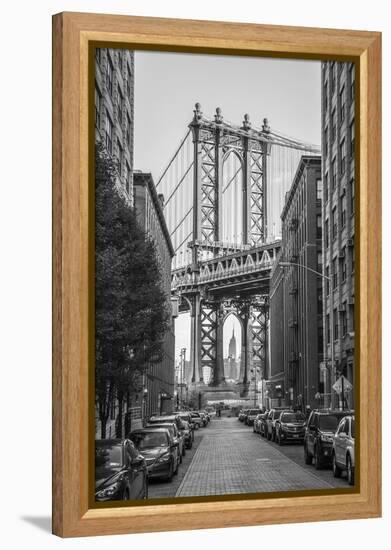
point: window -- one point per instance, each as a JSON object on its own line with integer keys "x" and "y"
{"x": 344, "y": 321}
{"x": 98, "y": 101}
{"x": 352, "y": 74}
{"x": 328, "y": 328}
{"x": 326, "y": 142}
{"x": 109, "y": 74}
{"x": 319, "y": 190}
{"x": 334, "y": 174}
{"x": 109, "y": 133}
{"x": 333, "y": 125}
{"x": 120, "y": 104}
{"x": 120, "y": 156}
{"x": 351, "y": 137}
{"x": 318, "y": 226}
{"x": 342, "y": 155}
{"x": 334, "y": 224}
{"x": 327, "y": 281}
{"x": 326, "y": 234}
{"x": 343, "y": 209}
{"x": 343, "y": 264}
{"x": 335, "y": 274}
{"x": 351, "y": 190}
{"x": 319, "y": 260}
{"x": 342, "y": 102}
{"x": 335, "y": 330}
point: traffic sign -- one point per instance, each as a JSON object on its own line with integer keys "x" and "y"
{"x": 342, "y": 383}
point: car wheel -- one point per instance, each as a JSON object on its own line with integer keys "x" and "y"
{"x": 184, "y": 451}
{"x": 254, "y": 430}
{"x": 307, "y": 457}
{"x": 190, "y": 445}
{"x": 350, "y": 471}
{"x": 317, "y": 461}
{"x": 146, "y": 488}
{"x": 126, "y": 495}
{"x": 280, "y": 441}
{"x": 336, "y": 469}
{"x": 273, "y": 435}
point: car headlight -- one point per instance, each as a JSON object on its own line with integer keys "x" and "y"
{"x": 109, "y": 491}
{"x": 327, "y": 438}
{"x": 164, "y": 458}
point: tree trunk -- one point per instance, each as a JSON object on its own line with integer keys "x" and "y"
{"x": 119, "y": 422}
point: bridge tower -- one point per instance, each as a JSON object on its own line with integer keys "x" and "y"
{"x": 229, "y": 215}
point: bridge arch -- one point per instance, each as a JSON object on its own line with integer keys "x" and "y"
{"x": 232, "y": 197}
{"x": 233, "y": 341}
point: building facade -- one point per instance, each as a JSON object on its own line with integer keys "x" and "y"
{"x": 296, "y": 335}
{"x": 338, "y": 174}
{"x": 114, "y": 111}
{"x": 159, "y": 380}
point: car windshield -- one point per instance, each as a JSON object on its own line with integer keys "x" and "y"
{"x": 293, "y": 417}
{"x": 196, "y": 415}
{"x": 108, "y": 458}
{"x": 277, "y": 414}
{"x": 165, "y": 426}
{"x": 329, "y": 422}
{"x": 253, "y": 412}
{"x": 149, "y": 440}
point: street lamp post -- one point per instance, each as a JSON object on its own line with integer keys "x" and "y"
{"x": 183, "y": 360}
{"x": 319, "y": 274}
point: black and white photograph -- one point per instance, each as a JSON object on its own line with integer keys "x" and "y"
{"x": 224, "y": 275}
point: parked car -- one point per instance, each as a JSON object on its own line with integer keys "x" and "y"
{"x": 245, "y": 413}
{"x": 120, "y": 471}
{"x": 207, "y": 415}
{"x": 197, "y": 420}
{"x": 257, "y": 423}
{"x": 319, "y": 436}
{"x": 185, "y": 416}
{"x": 343, "y": 449}
{"x": 159, "y": 450}
{"x": 187, "y": 434}
{"x": 204, "y": 420}
{"x": 251, "y": 415}
{"x": 241, "y": 415}
{"x": 273, "y": 415}
{"x": 290, "y": 427}
{"x": 176, "y": 434}
{"x": 169, "y": 417}
{"x": 262, "y": 424}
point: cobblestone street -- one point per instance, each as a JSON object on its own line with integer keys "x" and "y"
{"x": 229, "y": 458}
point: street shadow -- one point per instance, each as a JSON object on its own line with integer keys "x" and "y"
{"x": 44, "y": 523}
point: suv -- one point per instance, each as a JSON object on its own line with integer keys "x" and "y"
{"x": 319, "y": 436}
{"x": 343, "y": 449}
{"x": 290, "y": 427}
{"x": 274, "y": 414}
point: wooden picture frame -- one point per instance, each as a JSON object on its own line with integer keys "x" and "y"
{"x": 73, "y": 514}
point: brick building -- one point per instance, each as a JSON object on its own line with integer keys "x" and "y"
{"x": 296, "y": 332}
{"x": 159, "y": 378}
{"x": 114, "y": 110}
{"x": 338, "y": 174}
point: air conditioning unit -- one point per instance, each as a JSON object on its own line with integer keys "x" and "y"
{"x": 341, "y": 307}
{"x": 341, "y": 255}
{"x": 350, "y": 242}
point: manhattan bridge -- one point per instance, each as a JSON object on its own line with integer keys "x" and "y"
{"x": 224, "y": 190}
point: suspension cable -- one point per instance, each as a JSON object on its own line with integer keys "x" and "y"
{"x": 173, "y": 157}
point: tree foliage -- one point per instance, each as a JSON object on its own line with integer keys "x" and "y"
{"x": 130, "y": 305}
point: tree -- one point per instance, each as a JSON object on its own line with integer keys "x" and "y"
{"x": 131, "y": 312}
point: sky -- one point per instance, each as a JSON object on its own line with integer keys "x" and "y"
{"x": 167, "y": 85}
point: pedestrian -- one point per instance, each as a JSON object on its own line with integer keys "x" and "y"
{"x": 307, "y": 411}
